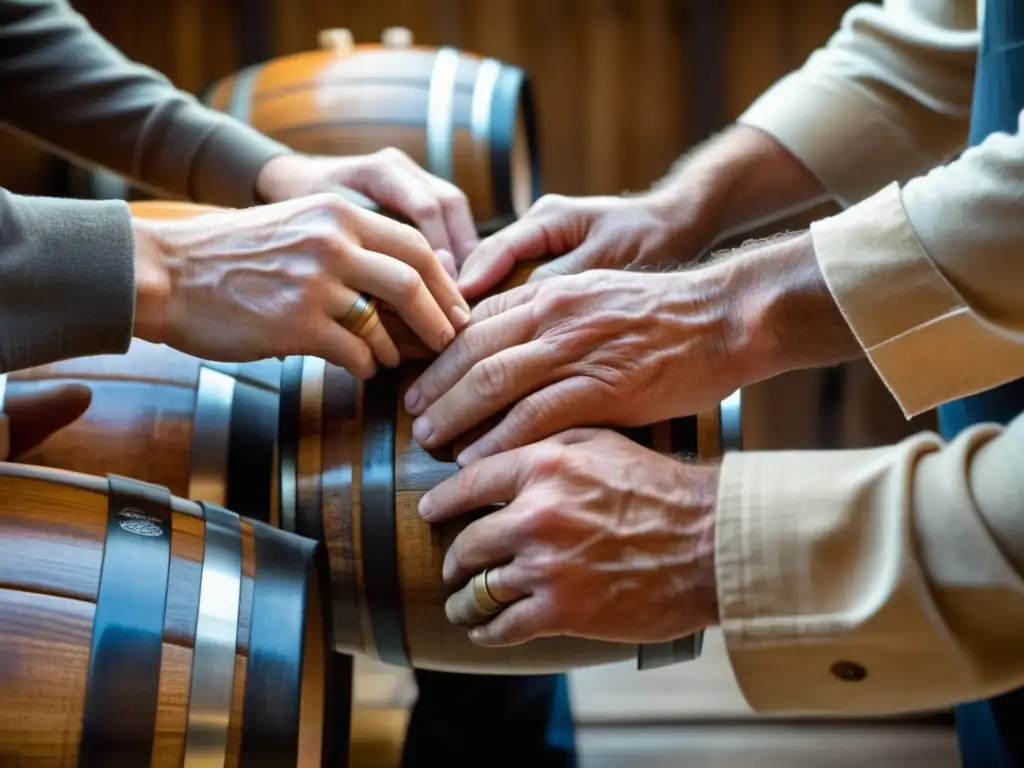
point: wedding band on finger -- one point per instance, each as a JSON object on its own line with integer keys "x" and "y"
{"x": 485, "y": 599}
{"x": 363, "y": 317}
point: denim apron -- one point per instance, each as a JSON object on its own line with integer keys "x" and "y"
{"x": 991, "y": 732}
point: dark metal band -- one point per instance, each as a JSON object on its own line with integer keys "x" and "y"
{"x": 213, "y": 657}
{"x": 122, "y": 689}
{"x": 239, "y": 104}
{"x": 253, "y": 437}
{"x": 288, "y": 440}
{"x": 285, "y": 564}
{"x": 378, "y": 534}
{"x": 512, "y": 92}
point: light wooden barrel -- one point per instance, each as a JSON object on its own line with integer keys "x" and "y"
{"x": 204, "y": 430}
{"x": 137, "y": 628}
{"x": 332, "y": 459}
{"x": 465, "y": 118}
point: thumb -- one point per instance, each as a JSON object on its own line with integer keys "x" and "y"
{"x": 587, "y": 256}
{"x": 495, "y": 258}
{"x": 35, "y": 415}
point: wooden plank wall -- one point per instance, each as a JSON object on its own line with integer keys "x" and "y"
{"x": 614, "y": 78}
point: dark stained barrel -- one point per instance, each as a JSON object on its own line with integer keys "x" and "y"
{"x": 137, "y": 628}
{"x": 465, "y": 118}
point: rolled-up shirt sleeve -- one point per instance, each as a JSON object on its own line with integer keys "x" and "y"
{"x": 875, "y": 581}
{"x": 886, "y": 99}
{"x": 65, "y": 86}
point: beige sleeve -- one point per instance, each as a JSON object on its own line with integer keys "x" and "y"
{"x": 875, "y": 581}
{"x": 65, "y": 86}
{"x": 888, "y": 98}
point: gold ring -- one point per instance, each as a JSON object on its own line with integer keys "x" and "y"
{"x": 482, "y": 593}
{"x": 363, "y": 317}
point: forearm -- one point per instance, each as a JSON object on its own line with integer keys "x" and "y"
{"x": 65, "y": 86}
{"x": 67, "y": 279}
{"x": 735, "y": 181}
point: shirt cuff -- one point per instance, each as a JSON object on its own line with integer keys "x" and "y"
{"x": 839, "y": 134}
{"x": 923, "y": 340}
{"x": 225, "y": 156}
{"x": 823, "y": 607}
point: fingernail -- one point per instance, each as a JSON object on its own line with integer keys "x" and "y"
{"x": 448, "y": 569}
{"x": 465, "y": 457}
{"x": 478, "y": 635}
{"x": 422, "y": 430}
{"x": 424, "y": 506}
{"x": 413, "y": 401}
{"x": 459, "y": 317}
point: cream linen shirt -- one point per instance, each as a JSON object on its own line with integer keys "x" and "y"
{"x": 905, "y": 560}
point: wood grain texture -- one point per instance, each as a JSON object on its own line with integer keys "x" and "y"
{"x": 52, "y": 533}
{"x": 359, "y": 100}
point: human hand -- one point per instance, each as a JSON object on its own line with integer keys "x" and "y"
{"x": 600, "y": 348}
{"x": 650, "y": 230}
{"x": 276, "y": 280}
{"x": 29, "y": 418}
{"x": 600, "y": 538}
{"x": 390, "y": 178}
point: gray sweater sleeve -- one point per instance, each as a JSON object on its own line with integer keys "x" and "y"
{"x": 67, "y": 280}
{"x": 67, "y": 87}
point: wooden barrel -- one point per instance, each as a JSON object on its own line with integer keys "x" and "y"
{"x": 465, "y": 118}
{"x": 204, "y": 430}
{"x": 312, "y": 450}
{"x": 137, "y": 628}
{"x": 351, "y": 475}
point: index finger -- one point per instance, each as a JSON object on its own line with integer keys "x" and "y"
{"x": 494, "y": 480}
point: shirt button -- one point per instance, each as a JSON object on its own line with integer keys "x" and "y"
{"x": 849, "y": 671}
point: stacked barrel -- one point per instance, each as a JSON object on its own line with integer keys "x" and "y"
{"x": 192, "y": 551}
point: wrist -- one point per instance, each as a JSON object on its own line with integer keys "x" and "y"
{"x": 152, "y": 282}
{"x": 784, "y": 316}
{"x": 697, "y": 512}
{"x": 282, "y": 177}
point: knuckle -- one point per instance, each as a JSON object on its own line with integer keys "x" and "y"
{"x": 550, "y": 203}
{"x": 538, "y": 522}
{"x": 425, "y": 209}
{"x": 391, "y": 155}
{"x": 549, "y": 461}
{"x": 489, "y": 377}
{"x": 406, "y": 284}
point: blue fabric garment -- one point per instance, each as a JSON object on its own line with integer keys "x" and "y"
{"x": 991, "y": 732}
{"x": 521, "y": 720}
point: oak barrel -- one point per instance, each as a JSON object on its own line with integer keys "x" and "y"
{"x": 332, "y": 459}
{"x": 138, "y": 628}
{"x": 465, "y": 118}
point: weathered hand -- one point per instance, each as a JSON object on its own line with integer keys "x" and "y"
{"x": 276, "y": 280}
{"x": 390, "y": 178}
{"x": 652, "y": 230}
{"x": 604, "y": 348}
{"x": 600, "y": 538}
